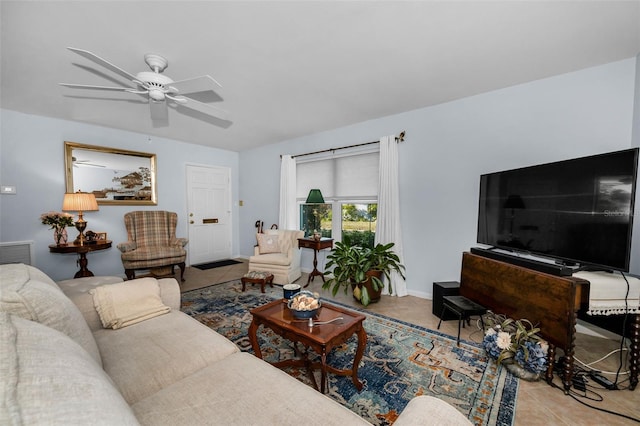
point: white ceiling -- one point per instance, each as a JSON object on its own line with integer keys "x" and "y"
{"x": 295, "y": 68}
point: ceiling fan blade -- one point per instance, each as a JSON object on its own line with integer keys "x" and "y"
{"x": 159, "y": 111}
{"x": 98, "y": 60}
{"x": 196, "y": 84}
{"x": 88, "y": 165}
{"x": 206, "y": 109}
{"x": 88, "y": 86}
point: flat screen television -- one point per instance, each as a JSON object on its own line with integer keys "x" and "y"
{"x": 576, "y": 212}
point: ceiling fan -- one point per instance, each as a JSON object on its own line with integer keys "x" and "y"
{"x": 159, "y": 88}
{"x": 84, "y": 163}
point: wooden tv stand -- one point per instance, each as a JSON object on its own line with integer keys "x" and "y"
{"x": 548, "y": 300}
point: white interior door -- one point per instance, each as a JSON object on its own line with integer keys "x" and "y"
{"x": 209, "y": 207}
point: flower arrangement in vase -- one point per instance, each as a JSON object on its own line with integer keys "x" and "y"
{"x": 58, "y": 221}
{"x": 517, "y": 345}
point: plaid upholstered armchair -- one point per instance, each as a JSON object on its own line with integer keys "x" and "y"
{"x": 152, "y": 242}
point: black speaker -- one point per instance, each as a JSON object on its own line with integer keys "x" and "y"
{"x": 441, "y": 289}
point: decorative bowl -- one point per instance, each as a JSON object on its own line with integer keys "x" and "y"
{"x": 308, "y": 302}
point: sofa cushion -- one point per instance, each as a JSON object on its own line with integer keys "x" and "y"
{"x": 124, "y": 304}
{"x": 30, "y": 294}
{"x": 428, "y": 410}
{"x": 145, "y": 357}
{"x": 78, "y": 291}
{"x": 276, "y": 259}
{"x": 47, "y": 378}
{"x": 247, "y": 391}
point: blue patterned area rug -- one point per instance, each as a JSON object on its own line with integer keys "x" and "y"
{"x": 401, "y": 360}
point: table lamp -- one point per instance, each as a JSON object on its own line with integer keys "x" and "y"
{"x": 79, "y": 202}
{"x": 315, "y": 197}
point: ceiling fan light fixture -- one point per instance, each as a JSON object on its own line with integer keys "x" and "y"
{"x": 153, "y": 78}
{"x": 156, "y": 95}
{"x": 158, "y": 87}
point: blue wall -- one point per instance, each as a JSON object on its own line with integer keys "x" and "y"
{"x": 448, "y": 146}
{"x": 32, "y": 149}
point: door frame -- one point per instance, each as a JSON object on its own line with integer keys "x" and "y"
{"x": 229, "y": 200}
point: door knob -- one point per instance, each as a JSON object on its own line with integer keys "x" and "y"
{"x": 191, "y": 222}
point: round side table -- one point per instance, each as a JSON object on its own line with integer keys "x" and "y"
{"x": 82, "y": 251}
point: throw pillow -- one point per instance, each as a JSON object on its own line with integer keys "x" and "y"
{"x": 47, "y": 378}
{"x": 268, "y": 243}
{"x": 123, "y": 304}
{"x": 25, "y": 291}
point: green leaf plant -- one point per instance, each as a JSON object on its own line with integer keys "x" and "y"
{"x": 352, "y": 266}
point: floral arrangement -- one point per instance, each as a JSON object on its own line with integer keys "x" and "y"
{"x": 509, "y": 341}
{"x": 57, "y": 220}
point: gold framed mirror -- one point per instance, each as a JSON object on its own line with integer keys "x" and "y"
{"x": 114, "y": 176}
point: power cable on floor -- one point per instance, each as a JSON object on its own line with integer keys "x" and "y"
{"x": 572, "y": 395}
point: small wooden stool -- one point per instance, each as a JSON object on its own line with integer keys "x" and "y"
{"x": 257, "y": 277}
{"x": 463, "y": 308}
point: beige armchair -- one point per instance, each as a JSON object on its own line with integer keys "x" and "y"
{"x": 277, "y": 252}
{"x": 152, "y": 242}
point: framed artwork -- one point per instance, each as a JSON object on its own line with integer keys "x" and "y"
{"x": 114, "y": 176}
{"x": 95, "y": 237}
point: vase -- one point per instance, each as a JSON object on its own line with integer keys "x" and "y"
{"x": 520, "y": 372}
{"x": 60, "y": 236}
{"x": 374, "y": 295}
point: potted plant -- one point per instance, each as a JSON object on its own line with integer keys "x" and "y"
{"x": 362, "y": 269}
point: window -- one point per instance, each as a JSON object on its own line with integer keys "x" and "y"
{"x": 359, "y": 224}
{"x": 349, "y": 185}
{"x": 356, "y": 224}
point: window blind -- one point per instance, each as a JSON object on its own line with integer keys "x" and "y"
{"x": 350, "y": 177}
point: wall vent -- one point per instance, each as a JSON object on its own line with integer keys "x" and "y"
{"x": 17, "y": 252}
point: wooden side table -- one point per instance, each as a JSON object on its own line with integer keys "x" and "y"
{"x": 82, "y": 251}
{"x": 316, "y": 245}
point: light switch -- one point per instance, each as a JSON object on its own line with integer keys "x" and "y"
{"x": 8, "y": 189}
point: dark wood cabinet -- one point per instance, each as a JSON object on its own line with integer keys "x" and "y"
{"x": 550, "y": 301}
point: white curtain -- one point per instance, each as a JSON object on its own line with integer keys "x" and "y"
{"x": 388, "y": 228}
{"x": 288, "y": 215}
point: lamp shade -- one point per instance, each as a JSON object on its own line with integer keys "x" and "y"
{"x": 514, "y": 202}
{"x": 315, "y": 197}
{"x": 79, "y": 202}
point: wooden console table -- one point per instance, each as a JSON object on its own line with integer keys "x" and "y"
{"x": 82, "y": 251}
{"x": 547, "y": 300}
{"x": 316, "y": 245}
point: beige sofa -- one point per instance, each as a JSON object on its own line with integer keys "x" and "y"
{"x": 60, "y": 366}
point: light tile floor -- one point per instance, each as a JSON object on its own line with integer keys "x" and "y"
{"x": 537, "y": 403}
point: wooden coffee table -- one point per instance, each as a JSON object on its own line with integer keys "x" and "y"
{"x": 321, "y": 338}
